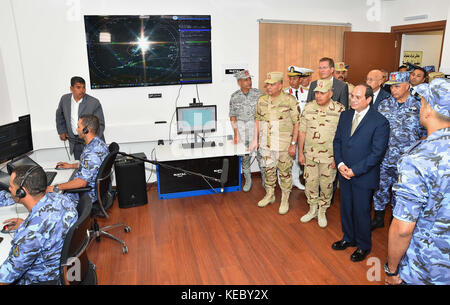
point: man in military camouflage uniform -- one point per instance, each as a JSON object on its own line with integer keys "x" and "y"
{"x": 242, "y": 117}
{"x": 36, "y": 247}
{"x": 94, "y": 152}
{"x": 402, "y": 112}
{"x": 419, "y": 236}
{"x": 315, "y": 150}
{"x": 276, "y": 121}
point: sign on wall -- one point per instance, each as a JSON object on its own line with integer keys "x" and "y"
{"x": 413, "y": 57}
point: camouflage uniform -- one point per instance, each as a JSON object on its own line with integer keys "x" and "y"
{"x": 6, "y": 199}
{"x": 405, "y": 131}
{"x": 90, "y": 160}
{"x": 320, "y": 128}
{"x": 243, "y": 108}
{"x": 36, "y": 247}
{"x": 423, "y": 196}
{"x": 277, "y": 118}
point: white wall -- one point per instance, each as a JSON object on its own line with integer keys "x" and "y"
{"x": 429, "y": 43}
{"x": 445, "y": 62}
{"x": 50, "y": 46}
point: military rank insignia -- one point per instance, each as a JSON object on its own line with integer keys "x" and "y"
{"x": 16, "y": 251}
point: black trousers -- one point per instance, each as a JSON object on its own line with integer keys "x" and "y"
{"x": 78, "y": 148}
{"x": 355, "y": 214}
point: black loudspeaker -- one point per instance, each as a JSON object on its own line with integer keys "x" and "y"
{"x": 130, "y": 181}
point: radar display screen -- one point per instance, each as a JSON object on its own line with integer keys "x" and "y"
{"x": 138, "y": 51}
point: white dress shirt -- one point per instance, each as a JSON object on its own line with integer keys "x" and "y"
{"x": 74, "y": 114}
{"x": 375, "y": 95}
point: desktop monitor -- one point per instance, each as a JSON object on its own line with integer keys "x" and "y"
{"x": 15, "y": 139}
{"x": 196, "y": 119}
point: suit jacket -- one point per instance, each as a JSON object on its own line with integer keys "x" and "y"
{"x": 340, "y": 92}
{"x": 381, "y": 96}
{"x": 89, "y": 105}
{"x": 365, "y": 149}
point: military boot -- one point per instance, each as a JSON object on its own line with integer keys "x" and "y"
{"x": 378, "y": 220}
{"x": 248, "y": 182}
{"x": 313, "y": 210}
{"x": 284, "y": 205}
{"x": 268, "y": 199}
{"x": 321, "y": 217}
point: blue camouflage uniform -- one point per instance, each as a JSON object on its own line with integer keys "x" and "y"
{"x": 404, "y": 122}
{"x": 90, "y": 160}
{"x": 36, "y": 247}
{"x": 423, "y": 196}
{"x": 6, "y": 199}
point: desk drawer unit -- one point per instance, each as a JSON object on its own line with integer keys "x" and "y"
{"x": 176, "y": 183}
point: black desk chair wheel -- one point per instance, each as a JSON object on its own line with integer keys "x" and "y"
{"x": 105, "y": 198}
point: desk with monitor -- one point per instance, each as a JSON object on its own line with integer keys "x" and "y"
{"x": 204, "y": 157}
{"x": 16, "y": 148}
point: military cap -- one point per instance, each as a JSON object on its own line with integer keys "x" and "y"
{"x": 398, "y": 78}
{"x": 434, "y": 75}
{"x": 294, "y": 71}
{"x": 306, "y": 72}
{"x": 244, "y": 74}
{"x": 324, "y": 85}
{"x": 273, "y": 77}
{"x": 341, "y": 66}
{"x": 429, "y": 69}
{"x": 437, "y": 94}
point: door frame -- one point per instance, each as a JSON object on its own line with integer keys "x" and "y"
{"x": 414, "y": 28}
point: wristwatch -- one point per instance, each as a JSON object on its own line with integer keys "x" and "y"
{"x": 293, "y": 143}
{"x": 57, "y": 190}
{"x": 388, "y": 273}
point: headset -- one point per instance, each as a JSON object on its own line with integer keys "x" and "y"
{"x": 89, "y": 122}
{"x": 20, "y": 193}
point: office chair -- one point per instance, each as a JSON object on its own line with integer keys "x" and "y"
{"x": 75, "y": 267}
{"x": 105, "y": 198}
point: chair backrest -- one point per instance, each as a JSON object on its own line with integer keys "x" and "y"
{"x": 74, "y": 265}
{"x": 103, "y": 185}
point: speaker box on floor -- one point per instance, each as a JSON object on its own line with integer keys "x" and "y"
{"x": 130, "y": 181}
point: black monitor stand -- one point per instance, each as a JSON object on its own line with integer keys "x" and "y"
{"x": 197, "y": 144}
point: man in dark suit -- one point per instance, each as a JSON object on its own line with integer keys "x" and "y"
{"x": 375, "y": 79}
{"x": 71, "y": 107}
{"x": 340, "y": 89}
{"x": 359, "y": 146}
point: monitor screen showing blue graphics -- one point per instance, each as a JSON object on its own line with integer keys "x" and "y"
{"x": 138, "y": 51}
{"x": 196, "y": 119}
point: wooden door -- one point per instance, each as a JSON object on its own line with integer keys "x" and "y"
{"x": 365, "y": 51}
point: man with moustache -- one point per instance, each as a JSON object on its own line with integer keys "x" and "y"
{"x": 402, "y": 111}
{"x": 359, "y": 145}
{"x": 341, "y": 73}
{"x": 276, "y": 131}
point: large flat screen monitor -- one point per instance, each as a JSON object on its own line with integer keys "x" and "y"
{"x": 196, "y": 119}
{"x": 136, "y": 51}
{"x": 16, "y": 139}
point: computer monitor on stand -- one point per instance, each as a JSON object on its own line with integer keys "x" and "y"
{"x": 195, "y": 120}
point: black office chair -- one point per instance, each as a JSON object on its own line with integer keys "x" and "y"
{"x": 75, "y": 267}
{"x": 105, "y": 198}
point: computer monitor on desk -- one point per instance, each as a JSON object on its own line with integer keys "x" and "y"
{"x": 15, "y": 139}
{"x": 195, "y": 120}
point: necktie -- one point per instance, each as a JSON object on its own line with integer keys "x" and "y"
{"x": 354, "y": 124}
{"x": 296, "y": 94}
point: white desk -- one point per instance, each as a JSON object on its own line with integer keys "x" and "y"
{"x": 174, "y": 151}
{"x": 207, "y": 161}
{"x": 19, "y": 211}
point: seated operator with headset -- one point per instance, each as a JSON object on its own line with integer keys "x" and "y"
{"x": 94, "y": 152}
{"x": 36, "y": 247}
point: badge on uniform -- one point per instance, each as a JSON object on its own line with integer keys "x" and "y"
{"x": 399, "y": 178}
{"x": 85, "y": 164}
{"x": 16, "y": 251}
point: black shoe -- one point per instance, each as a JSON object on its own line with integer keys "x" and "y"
{"x": 378, "y": 220}
{"x": 359, "y": 255}
{"x": 342, "y": 245}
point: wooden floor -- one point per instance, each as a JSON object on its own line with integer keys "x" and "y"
{"x": 227, "y": 239}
